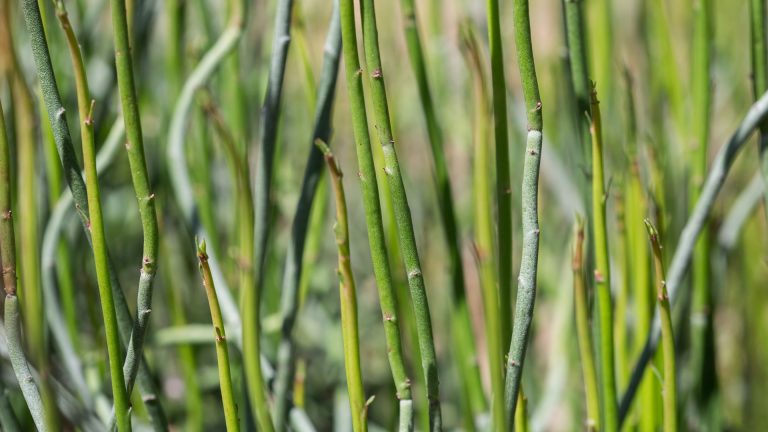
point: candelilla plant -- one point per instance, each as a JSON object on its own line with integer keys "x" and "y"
{"x": 466, "y": 272}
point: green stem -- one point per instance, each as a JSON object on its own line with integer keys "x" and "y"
{"x": 348, "y": 298}
{"x": 464, "y": 348}
{"x": 140, "y": 179}
{"x": 521, "y": 415}
{"x": 526, "y": 289}
{"x": 669, "y": 378}
{"x": 290, "y": 298}
{"x": 503, "y": 181}
{"x": 583, "y": 332}
{"x": 483, "y": 220}
{"x": 374, "y": 225}
{"x": 222, "y": 354}
{"x": 85, "y": 111}
{"x": 609, "y": 418}
{"x": 760, "y": 75}
{"x": 403, "y": 219}
{"x": 8, "y": 265}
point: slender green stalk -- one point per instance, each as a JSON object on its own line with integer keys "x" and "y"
{"x": 464, "y": 347}
{"x": 483, "y": 220}
{"x": 348, "y": 298}
{"x": 140, "y": 178}
{"x": 601, "y": 41}
{"x": 521, "y": 415}
{"x": 374, "y": 225}
{"x": 609, "y": 420}
{"x": 669, "y": 391}
{"x": 503, "y": 181}
{"x": 577, "y": 56}
{"x": 665, "y": 56}
{"x": 526, "y": 289}
{"x": 71, "y": 169}
{"x": 8, "y": 420}
{"x": 584, "y": 336}
{"x": 11, "y": 317}
{"x": 290, "y": 298}
{"x": 222, "y": 354}
{"x": 620, "y": 324}
{"x": 30, "y": 293}
{"x": 718, "y": 172}
{"x": 759, "y": 59}
{"x": 702, "y": 343}
{"x": 407, "y": 238}
{"x": 85, "y": 111}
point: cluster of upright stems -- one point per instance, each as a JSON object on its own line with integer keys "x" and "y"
{"x": 271, "y": 394}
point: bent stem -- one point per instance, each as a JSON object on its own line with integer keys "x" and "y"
{"x": 11, "y": 316}
{"x": 372, "y": 205}
{"x": 582, "y": 330}
{"x": 348, "y": 297}
{"x": 222, "y": 354}
{"x": 667, "y": 337}
{"x": 406, "y": 235}
{"x": 526, "y": 289}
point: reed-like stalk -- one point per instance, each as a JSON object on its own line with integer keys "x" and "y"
{"x": 406, "y": 235}
{"x": 269, "y": 120}
{"x": 11, "y": 317}
{"x": 703, "y": 373}
{"x": 669, "y": 377}
{"x": 602, "y": 274}
{"x": 583, "y": 334}
{"x": 348, "y": 298}
{"x": 483, "y": 224}
{"x": 222, "y": 353}
{"x": 374, "y": 225}
{"x": 503, "y": 180}
{"x": 140, "y": 178}
{"x": 71, "y": 169}
{"x": 521, "y": 414}
{"x": 759, "y": 57}
{"x": 85, "y": 112}
{"x": 464, "y": 349}
{"x": 718, "y": 172}
{"x": 577, "y": 58}
{"x": 290, "y": 293}
{"x": 526, "y": 288}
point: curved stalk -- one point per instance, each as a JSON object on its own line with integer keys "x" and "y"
{"x": 583, "y": 332}
{"x": 348, "y": 298}
{"x": 407, "y": 238}
{"x": 11, "y": 317}
{"x": 222, "y": 354}
{"x": 718, "y": 172}
{"x": 290, "y": 298}
{"x": 526, "y": 289}
{"x": 669, "y": 378}
{"x": 464, "y": 348}
{"x": 372, "y": 205}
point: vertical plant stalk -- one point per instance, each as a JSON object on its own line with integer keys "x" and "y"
{"x": 577, "y": 56}
{"x": 583, "y": 334}
{"x": 602, "y": 274}
{"x": 669, "y": 391}
{"x": 718, "y": 172}
{"x": 521, "y": 415}
{"x": 348, "y": 298}
{"x": 30, "y": 292}
{"x": 372, "y": 205}
{"x": 250, "y": 300}
{"x": 469, "y": 375}
{"x": 11, "y": 317}
{"x": 140, "y": 178}
{"x": 222, "y": 354}
{"x": 620, "y": 324}
{"x": 503, "y": 181}
{"x": 290, "y": 299}
{"x": 85, "y": 111}
{"x": 483, "y": 221}
{"x": 407, "y": 237}
{"x": 71, "y": 169}
{"x": 760, "y": 75}
{"x": 702, "y": 335}
{"x": 526, "y": 289}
